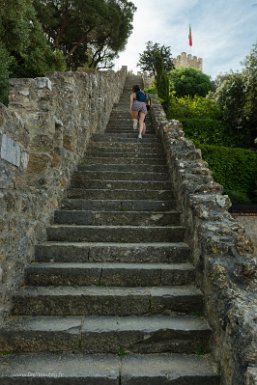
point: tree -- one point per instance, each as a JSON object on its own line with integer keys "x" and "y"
{"x": 156, "y": 59}
{"x": 90, "y": 32}
{"x": 230, "y": 95}
{"x": 23, "y": 38}
{"x": 190, "y": 82}
{"x": 5, "y": 61}
{"x": 250, "y": 89}
{"x": 237, "y": 95}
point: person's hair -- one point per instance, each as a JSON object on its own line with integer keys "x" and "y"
{"x": 135, "y": 88}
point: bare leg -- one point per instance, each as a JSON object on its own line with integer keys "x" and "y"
{"x": 141, "y": 124}
{"x": 144, "y": 130}
{"x": 134, "y": 116}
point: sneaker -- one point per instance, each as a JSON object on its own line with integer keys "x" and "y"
{"x": 140, "y": 137}
{"x": 134, "y": 124}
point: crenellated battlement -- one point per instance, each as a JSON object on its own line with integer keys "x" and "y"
{"x": 188, "y": 60}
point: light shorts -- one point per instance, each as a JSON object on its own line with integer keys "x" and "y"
{"x": 139, "y": 106}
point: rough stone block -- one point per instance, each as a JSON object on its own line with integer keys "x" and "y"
{"x": 44, "y": 83}
{"x": 10, "y": 150}
{"x": 251, "y": 376}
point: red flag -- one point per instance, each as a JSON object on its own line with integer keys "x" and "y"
{"x": 190, "y": 39}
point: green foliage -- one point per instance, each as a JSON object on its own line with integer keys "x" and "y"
{"x": 204, "y": 131}
{"x": 237, "y": 95}
{"x": 214, "y": 131}
{"x": 90, "y": 33}
{"x": 5, "y": 62}
{"x": 38, "y": 59}
{"x": 15, "y": 25}
{"x": 190, "y": 81}
{"x": 250, "y": 84}
{"x": 122, "y": 352}
{"x": 165, "y": 92}
{"x": 234, "y": 168}
{"x": 229, "y": 94}
{"x": 213, "y": 119}
{"x": 196, "y": 107}
{"x": 43, "y": 36}
{"x": 156, "y": 59}
{"x": 152, "y": 89}
{"x": 22, "y": 37}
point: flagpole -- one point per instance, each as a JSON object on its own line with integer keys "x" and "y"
{"x": 190, "y": 38}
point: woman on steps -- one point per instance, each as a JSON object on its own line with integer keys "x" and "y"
{"x": 138, "y": 110}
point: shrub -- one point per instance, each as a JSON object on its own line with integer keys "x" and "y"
{"x": 213, "y": 131}
{"x": 190, "y": 81}
{"x": 234, "y": 168}
{"x": 196, "y": 107}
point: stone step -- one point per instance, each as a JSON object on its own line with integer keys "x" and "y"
{"x": 117, "y": 205}
{"x": 97, "y": 300}
{"x": 121, "y": 124}
{"x": 79, "y": 233}
{"x": 109, "y": 274}
{"x": 120, "y": 120}
{"x": 132, "y": 218}
{"x": 144, "y": 335}
{"x": 124, "y": 160}
{"x": 83, "y": 193}
{"x": 142, "y": 185}
{"x": 124, "y": 125}
{"x": 112, "y": 252}
{"x": 134, "y": 146}
{"x": 136, "y": 153}
{"x": 116, "y": 138}
{"x": 119, "y": 175}
{"x": 124, "y": 138}
{"x": 106, "y": 136}
{"x": 123, "y": 168}
{"x": 103, "y": 369}
{"x": 121, "y": 114}
{"x": 121, "y": 110}
{"x": 116, "y": 129}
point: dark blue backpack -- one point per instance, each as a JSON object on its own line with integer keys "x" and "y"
{"x": 141, "y": 96}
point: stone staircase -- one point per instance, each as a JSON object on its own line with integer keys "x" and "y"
{"x": 110, "y": 298}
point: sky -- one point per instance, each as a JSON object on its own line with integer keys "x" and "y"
{"x": 223, "y": 31}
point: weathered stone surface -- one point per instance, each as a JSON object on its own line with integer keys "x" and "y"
{"x": 251, "y": 376}
{"x": 109, "y": 274}
{"x": 107, "y": 300}
{"x": 106, "y": 334}
{"x": 168, "y": 370}
{"x": 44, "y": 133}
{"x": 249, "y": 222}
{"x": 61, "y": 369}
{"x": 222, "y": 253}
{"x": 10, "y": 150}
{"x": 112, "y": 252}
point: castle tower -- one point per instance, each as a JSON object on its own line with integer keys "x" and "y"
{"x": 187, "y": 60}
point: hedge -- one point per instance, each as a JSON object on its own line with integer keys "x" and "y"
{"x": 235, "y": 169}
{"x": 212, "y": 131}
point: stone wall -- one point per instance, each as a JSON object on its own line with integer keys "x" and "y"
{"x": 249, "y": 222}
{"x": 187, "y": 60}
{"x": 222, "y": 254}
{"x": 43, "y": 135}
